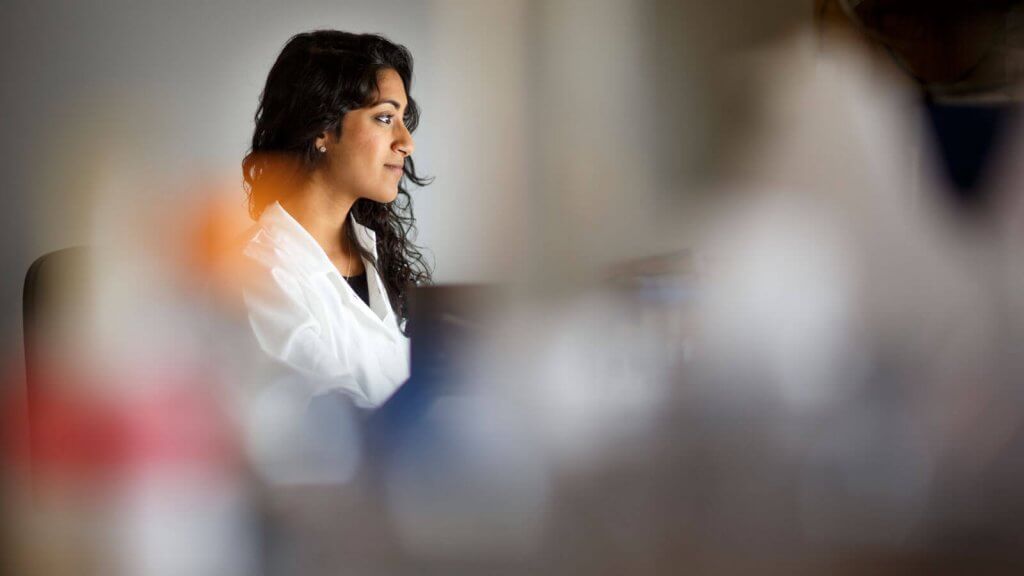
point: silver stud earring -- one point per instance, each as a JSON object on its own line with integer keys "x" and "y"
{"x": 322, "y": 149}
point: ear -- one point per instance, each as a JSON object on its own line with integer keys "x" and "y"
{"x": 321, "y": 140}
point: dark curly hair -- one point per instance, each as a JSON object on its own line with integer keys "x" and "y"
{"x": 318, "y": 77}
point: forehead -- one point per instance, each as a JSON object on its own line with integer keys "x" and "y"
{"x": 390, "y": 87}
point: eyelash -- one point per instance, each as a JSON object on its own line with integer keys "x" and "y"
{"x": 386, "y": 119}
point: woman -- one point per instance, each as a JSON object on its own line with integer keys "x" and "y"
{"x": 326, "y": 181}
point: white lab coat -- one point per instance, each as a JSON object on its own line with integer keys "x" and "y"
{"x": 306, "y": 316}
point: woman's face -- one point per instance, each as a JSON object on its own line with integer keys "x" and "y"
{"x": 366, "y": 160}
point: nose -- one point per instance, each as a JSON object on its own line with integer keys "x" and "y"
{"x": 404, "y": 143}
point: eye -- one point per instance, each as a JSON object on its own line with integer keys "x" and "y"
{"x": 385, "y": 119}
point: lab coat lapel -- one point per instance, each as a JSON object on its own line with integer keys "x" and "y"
{"x": 378, "y": 297}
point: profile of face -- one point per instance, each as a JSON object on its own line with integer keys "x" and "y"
{"x": 367, "y": 159}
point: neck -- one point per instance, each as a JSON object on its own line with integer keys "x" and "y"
{"x": 322, "y": 212}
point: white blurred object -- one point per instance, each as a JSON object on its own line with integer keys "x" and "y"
{"x": 833, "y": 248}
{"x": 292, "y": 441}
{"x": 592, "y": 373}
{"x": 842, "y": 289}
{"x": 170, "y": 528}
{"x": 777, "y": 303}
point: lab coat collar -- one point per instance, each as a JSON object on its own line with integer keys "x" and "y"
{"x": 307, "y": 253}
{"x": 301, "y": 246}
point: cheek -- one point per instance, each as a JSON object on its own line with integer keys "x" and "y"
{"x": 362, "y": 153}
{"x": 365, "y": 151}
{"x": 349, "y": 158}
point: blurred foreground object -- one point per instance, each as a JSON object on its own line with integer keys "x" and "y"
{"x": 129, "y": 462}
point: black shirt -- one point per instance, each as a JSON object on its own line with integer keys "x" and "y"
{"x": 360, "y": 285}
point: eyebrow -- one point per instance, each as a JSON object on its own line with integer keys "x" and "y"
{"x": 387, "y": 101}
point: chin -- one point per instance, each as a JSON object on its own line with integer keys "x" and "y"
{"x": 382, "y": 195}
{"x": 385, "y": 197}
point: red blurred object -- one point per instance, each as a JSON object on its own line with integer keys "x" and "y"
{"x": 171, "y": 427}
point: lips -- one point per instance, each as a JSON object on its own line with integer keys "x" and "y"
{"x": 394, "y": 167}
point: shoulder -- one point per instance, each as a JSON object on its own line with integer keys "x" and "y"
{"x": 262, "y": 247}
{"x": 270, "y": 275}
{"x": 274, "y": 247}
{"x": 279, "y": 241}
